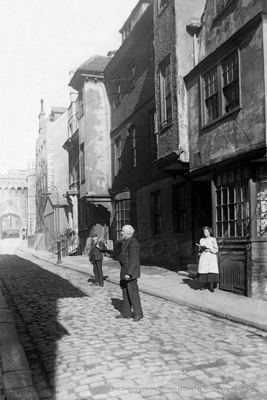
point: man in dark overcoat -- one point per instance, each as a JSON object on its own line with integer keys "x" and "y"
{"x": 129, "y": 259}
{"x": 96, "y": 257}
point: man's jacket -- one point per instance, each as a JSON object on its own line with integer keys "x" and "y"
{"x": 129, "y": 258}
{"x": 96, "y": 253}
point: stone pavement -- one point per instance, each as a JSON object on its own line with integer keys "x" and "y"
{"x": 68, "y": 328}
{"x": 179, "y": 288}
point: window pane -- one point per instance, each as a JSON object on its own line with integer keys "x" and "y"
{"x": 246, "y": 210}
{"x": 219, "y": 214}
{"x": 231, "y": 195}
{"x": 232, "y": 228}
{"x": 231, "y": 211}
{"x": 238, "y": 194}
{"x": 225, "y": 213}
{"x": 238, "y": 228}
{"x": 238, "y": 211}
{"x": 224, "y": 193}
{"x": 218, "y": 197}
{"x": 219, "y": 230}
{"x": 225, "y": 230}
{"x": 245, "y": 192}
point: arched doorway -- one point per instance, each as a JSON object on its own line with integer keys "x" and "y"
{"x": 9, "y": 226}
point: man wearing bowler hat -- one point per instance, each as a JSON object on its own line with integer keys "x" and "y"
{"x": 130, "y": 271}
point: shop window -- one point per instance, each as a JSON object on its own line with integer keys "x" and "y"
{"x": 232, "y": 203}
{"x": 261, "y": 200}
{"x": 166, "y": 92}
{"x": 179, "y": 208}
{"x": 221, "y": 88}
{"x": 156, "y": 212}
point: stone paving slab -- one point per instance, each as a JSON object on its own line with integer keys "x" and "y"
{"x": 8, "y": 334}
{"x": 13, "y": 358}
{"x": 17, "y": 379}
{"x": 6, "y": 316}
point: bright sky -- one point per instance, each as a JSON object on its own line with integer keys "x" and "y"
{"x": 41, "y": 41}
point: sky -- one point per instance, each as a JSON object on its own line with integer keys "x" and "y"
{"x": 41, "y": 42}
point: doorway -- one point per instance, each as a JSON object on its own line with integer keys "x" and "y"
{"x": 10, "y": 226}
{"x": 201, "y": 211}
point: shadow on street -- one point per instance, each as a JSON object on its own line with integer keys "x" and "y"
{"x": 32, "y": 294}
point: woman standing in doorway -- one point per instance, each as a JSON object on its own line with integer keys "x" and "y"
{"x": 208, "y": 270}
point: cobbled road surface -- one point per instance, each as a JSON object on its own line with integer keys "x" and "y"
{"x": 77, "y": 349}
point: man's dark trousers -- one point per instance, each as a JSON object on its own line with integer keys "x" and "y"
{"x": 131, "y": 298}
{"x": 98, "y": 271}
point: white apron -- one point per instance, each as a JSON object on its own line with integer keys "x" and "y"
{"x": 208, "y": 262}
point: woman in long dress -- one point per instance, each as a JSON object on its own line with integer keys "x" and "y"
{"x": 208, "y": 270}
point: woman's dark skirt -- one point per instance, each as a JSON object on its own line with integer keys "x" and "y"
{"x": 205, "y": 278}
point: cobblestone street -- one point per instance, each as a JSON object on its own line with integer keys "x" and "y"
{"x": 77, "y": 349}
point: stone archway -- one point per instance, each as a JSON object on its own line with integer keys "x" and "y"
{"x": 10, "y": 226}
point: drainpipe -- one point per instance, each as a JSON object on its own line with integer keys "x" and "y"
{"x": 193, "y": 28}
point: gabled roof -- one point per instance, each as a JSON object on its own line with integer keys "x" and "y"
{"x": 93, "y": 66}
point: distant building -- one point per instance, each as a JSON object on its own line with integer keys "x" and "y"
{"x": 227, "y": 140}
{"x": 17, "y": 203}
{"x": 51, "y": 175}
{"x": 91, "y": 139}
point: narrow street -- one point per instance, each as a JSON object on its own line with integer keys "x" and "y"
{"x": 77, "y": 349}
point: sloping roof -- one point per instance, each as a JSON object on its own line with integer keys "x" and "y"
{"x": 61, "y": 200}
{"x": 58, "y": 109}
{"x": 93, "y": 66}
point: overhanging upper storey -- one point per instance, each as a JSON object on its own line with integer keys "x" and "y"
{"x": 90, "y": 69}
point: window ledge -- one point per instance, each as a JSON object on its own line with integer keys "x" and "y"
{"x": 221, "y": 118}
{"x": 165, "y": 127}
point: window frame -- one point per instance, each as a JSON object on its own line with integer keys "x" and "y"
{"x": 166, "y": 92}
{"x": 120, "y": 215}
{"x": 180, "y": 207}
{"x": 117, "y": 155}
{"x": 118, "y": 93}
{"x": 154, "y": 133}
{"x": 132, "y": 133}
{"x": 156, "y": 212}
{"x": 232, "y": 203}
{"x": 221, "y": 98}
{"x": 132, "y": 76}
{"x": 82, "y": 163}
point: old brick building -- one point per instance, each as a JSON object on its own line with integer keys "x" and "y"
{"x": 227, "y": 139}
{"x": 149, "y": 138}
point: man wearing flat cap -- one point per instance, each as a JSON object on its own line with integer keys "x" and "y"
{"x": 130, "y": 271}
